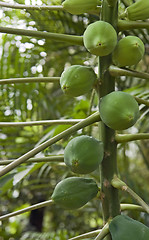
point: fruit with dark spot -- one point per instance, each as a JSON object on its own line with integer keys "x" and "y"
{"x": 83, "y": 154}
{"x": 77, "y": 80}
{"x": 100, "y": 38}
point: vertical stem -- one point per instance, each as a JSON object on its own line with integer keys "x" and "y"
{"x": 110, "y": 200}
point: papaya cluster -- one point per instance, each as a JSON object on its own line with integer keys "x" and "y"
{"x": 118, "y": 110}
{"x": 100, "y": 39}
{"x": 136, "y": 11}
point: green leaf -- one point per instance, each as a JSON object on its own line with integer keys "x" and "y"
{"x": 6, "y": 183}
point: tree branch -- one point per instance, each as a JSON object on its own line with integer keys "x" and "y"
{"x": 110, "y": 199}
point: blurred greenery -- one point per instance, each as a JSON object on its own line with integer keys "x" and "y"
{"x": 31, "y": 183}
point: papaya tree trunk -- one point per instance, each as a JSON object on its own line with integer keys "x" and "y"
{"x": 109, "y": 195}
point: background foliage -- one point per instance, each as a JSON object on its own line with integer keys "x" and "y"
{"x": 32, "y": 183}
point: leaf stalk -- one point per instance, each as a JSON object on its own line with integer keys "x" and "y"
{"x": 29, "y": 80}
{"x": 32, "y": 7}
{"x": 71, "y": 39}
{"x": 42, "y": 122}
{"x": 121, "y": 138}
{"x": 116, "y": 72}
{"x": 95, "y": 117}
{"x": 124, "y": 25}
{"x": 119, "y": 184}
{"x": 30, "y": 208}
{"x": 104, "y": 232}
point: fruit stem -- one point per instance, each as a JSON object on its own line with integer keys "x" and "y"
{"x": 110, "y": 200}
{"x": 72, "y": 39}
{"x": 119, "y": 184}
{"x": 142, "y": 101}
{"x": 124, "y": 14}
{"x": 30, "y": 208}
{"x": 95, "y": 117}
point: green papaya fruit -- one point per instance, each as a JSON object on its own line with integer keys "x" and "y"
{"x": 100, "y": 38}
{"x": 125, "y": 228}
{"x": 83, "y": 154}
{"x": 138, "y": 10}
{"x": 129, "y": 51}
{"x": 77, "y": 80}
{"x": 74, "y": 192}
{"x": 80, "y": 6}
{"x": 119, "y": 110}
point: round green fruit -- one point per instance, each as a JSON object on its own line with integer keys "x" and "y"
{"x": 100, "y": 38}
{"x": 80, "y": 6}
{"x": 74, "y": 192}
{"x": 125, "y": 228}
{"x": 129, "y": 51}
{"x": 77, "y": 80}
{"x": 83, "y": 154}
{"x": 119, "y": 110}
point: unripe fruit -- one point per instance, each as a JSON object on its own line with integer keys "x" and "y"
{"x": 119, "y": 110}
{"x": 83, "y": 154}
{"x": 138, "y": 10}
{"x": 74, "y": 192}
{"x": 80, "y": 6}
{"x": 77, "y": 80}
{"x": 125, "y": 228}
{"x": 100, "y": 38}
{"x": 129, "y": 51}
